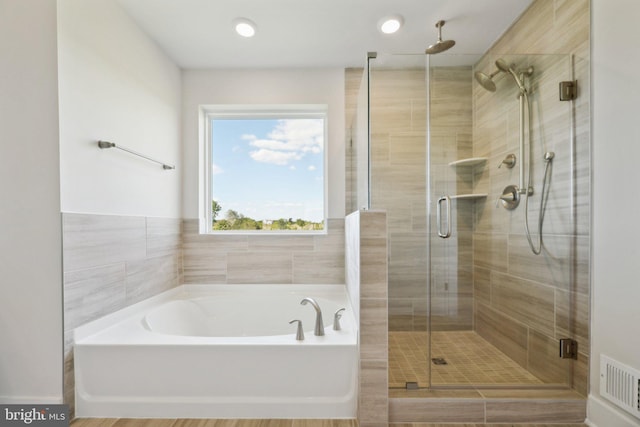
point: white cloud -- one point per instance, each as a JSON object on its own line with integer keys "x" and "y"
{"x": 300, "y": 134}
{"x": 272, "y": 144}
{"x": 274, "y": 157}
{"x": 311, "y": 168}
{"x": 290, "y": 140}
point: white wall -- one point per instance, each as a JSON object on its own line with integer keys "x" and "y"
{"x": 294, "y": 86}
{"x": 30, "y": 229}
{"x": 116, "y": 85}
{"x": 616, "y": 205}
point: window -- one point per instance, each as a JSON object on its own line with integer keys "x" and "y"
{"x": 265, "y": 169}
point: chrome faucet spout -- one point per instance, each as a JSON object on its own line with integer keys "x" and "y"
{"x": 319, "y": 328}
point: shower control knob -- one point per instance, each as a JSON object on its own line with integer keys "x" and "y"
{"x": 510, "y": 197}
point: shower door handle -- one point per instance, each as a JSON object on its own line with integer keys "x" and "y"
{"x": 444, "y": 234}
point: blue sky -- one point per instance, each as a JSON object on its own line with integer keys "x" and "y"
{"x": 269, "y": 169}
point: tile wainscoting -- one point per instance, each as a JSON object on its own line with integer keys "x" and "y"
{"x": 299, "y": 259}
{"x": 111, "y": 262}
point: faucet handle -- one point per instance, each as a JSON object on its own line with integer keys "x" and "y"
{"x": 509, "y": 160}
{"x": 299, "y": 331}
{"x": 336, "y": 319}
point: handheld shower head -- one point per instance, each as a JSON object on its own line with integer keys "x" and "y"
{"x": 440, "y": 45}
{"x": 503, "y": 66}
{"x": 486, "y": 81}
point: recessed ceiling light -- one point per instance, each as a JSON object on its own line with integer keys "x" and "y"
{"x": 390, "y": 24}
{"x": 245, "y": 27}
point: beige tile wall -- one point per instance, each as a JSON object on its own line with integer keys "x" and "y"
{"x": 111, "y": 262}
{"x": 524, "y": 303}
{"x": 312, "y": 259}
{"x": 367, "y": 274}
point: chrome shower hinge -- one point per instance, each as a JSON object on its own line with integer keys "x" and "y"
{"x": 568, "y": 348}
{"x": 568, "y": 90}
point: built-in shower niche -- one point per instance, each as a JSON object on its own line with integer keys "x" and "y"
{"x": 477, "y": 308}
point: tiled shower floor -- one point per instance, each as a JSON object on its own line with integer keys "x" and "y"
{"x": 470, "y": 361}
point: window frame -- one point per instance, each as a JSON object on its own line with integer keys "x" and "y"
{"x": 275, "y": 112}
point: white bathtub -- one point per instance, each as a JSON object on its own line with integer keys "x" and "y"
{"x": 219, "y": 351}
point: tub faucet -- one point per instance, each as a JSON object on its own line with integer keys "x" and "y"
{"x": 319, "y": 329}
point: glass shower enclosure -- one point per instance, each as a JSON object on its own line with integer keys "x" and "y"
{"x": 470, "y": 304}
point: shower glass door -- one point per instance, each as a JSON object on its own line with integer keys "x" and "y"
{"x": 496, "y": 310}
{"x": 470, "y": 304}
{"x": 398, "y": 165}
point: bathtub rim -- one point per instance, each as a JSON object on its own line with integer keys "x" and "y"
{"x": 93, "y": 332}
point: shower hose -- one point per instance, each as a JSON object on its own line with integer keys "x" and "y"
{"x": 546, "y": 185}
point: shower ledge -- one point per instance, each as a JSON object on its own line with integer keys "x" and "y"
{"x": 468, "y": 196}
{"x": 472, "y": 161}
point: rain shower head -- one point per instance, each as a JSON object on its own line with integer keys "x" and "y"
{"x": 440, "y": 45}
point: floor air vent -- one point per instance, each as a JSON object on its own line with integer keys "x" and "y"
{"x": 620, "y": 384}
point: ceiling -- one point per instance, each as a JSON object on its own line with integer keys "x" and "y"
{"x": 315, "y": 33}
